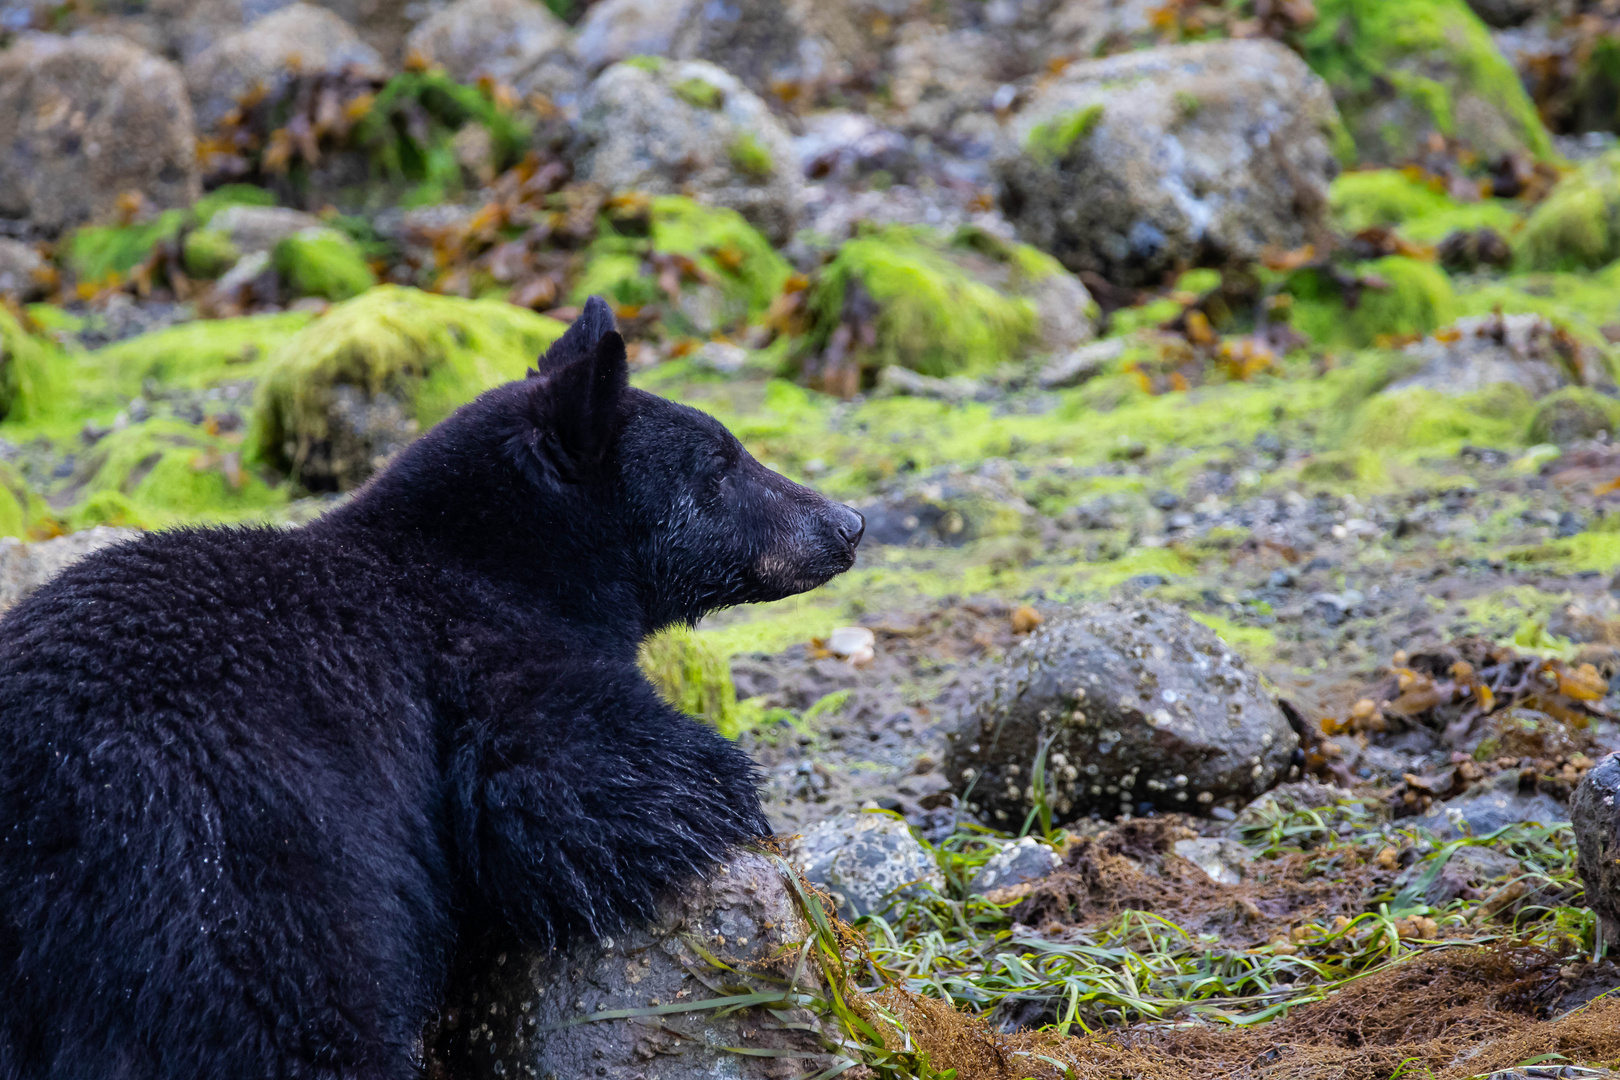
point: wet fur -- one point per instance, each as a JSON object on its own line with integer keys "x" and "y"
{"x": 255, "y": 785}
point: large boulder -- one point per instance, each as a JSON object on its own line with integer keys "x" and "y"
{"x": 516, "y": 42}
{"x": 1405, "y": 73}
{"x": 865, "y": 860}
{"x": 1136, "y": 703}
{"x": 1595, "y": 811}
{"x": 669, "y": 128}
{"x": 299, "y": 39}
{"x": 1144, "y": 162}
{"x": 515, "y": 1014}
{"x": 84, "y": 120}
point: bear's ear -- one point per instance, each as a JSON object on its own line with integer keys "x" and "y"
{"x": 580, "y": 339}
{"x": 573, "y": 422}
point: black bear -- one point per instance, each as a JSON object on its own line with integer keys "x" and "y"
{"x": 256, "y": 784}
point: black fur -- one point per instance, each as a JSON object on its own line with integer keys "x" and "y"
{"x": 255, "y": 785}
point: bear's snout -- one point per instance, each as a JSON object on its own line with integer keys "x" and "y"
{"x": 851, "y": 524}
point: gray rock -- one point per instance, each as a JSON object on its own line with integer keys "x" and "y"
{"x": 1306, "y": 794}
{"x": 510, "y": 41}
{"x": 1018, "y": 863}
{"x": 518, "y": 1015}
{"x": 1079, "y": 365}
{"x": 864, "y": 860}
{"x": 1134, "y": 165}
{"x": 24, "y": 567}
{"x": 670, "y": 128}
{"x": 297, "y": 39}
{"x": 615, "y": 30}
{"x": 1222, "y": 861}
{"x": 897, "y": 381}
{"x": 84, "y": 120}
{"x": 785, "y": 49}
{"x": 1489, "y": 806}
{"x": 253, "y": 229}
{"x": 20, "y": 268}
{"x": 1595, "y": 812}
{"x": 1525, "y": 350}
{"x": 1141, "y": 705}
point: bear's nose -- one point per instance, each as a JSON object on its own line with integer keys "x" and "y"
{"x": 851, "y": 525}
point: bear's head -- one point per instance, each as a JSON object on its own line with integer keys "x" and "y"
{"x": 574, "y": 483}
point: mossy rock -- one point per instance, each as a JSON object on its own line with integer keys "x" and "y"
{"x": 1574, "y": 413}
{"x": 322, "y": 262}
{"x": 924, "y": 303}
{"x": 692, "y": 677}
{"x": 1401, "y": 71}
{"x": 741, "y": 273}
{"x": 166, "y": 472}
{"x": 100, "y": 253}
{"x": 208, "y": 253}
{"x": 1577, "y": 226}
{"x": 358, "y": 383}
{"x": 25, "y": 368}
{"x": 1421, "y": 419}
{"x": 1418, "y": 300}
{"x": 199, "y": 355}
{"x": 1389, "y": 198}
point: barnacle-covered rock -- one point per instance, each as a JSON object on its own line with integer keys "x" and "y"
{"x": 1137, "y": 705}
{"x": 865, "y": 860}
{"x": 1595, "y": 811}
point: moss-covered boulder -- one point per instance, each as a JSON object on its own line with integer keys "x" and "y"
{"x": 1574, "y": 413}
{"x": 938, "y": 305}
{"x": 1428, "y": 420}
{"x": 1141, "y": 164}
{"x": 354, "y": 386}
{"x": 1577, "y": 226}
{"x": 1404, "y": 71}
{"x": 704, "y": 268}
{"x": 692, "y": 677}
{"x": 324, "y": 263}
{"x": 1399, "y": 298}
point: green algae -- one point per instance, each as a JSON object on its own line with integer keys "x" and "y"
{"x": 433, "y": 353}
{"x": 1417, "y": 298}
{"x": 751, "y": 157}
{"x": 731, "y": 258}
{"x": 324, "y": 263}
{"x": 693, "y": 676}
{"x": 934, "y": 315}
{"x": 1050, "y": 142}
{"x": 1389, "y": 198}
{"x": 166, "y": 472}
{"x": 1422, "y": 419}
{"x": 1577, "y": 226}
{"x": 208, "y": 253}
{"x": 1440, "y": 64}
{"x": 25, "y": 369}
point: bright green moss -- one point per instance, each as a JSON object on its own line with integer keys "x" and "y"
{"x": 1421, "y": 419}
{"x": 208, "y": 253}
{"x": 1029, "y": 265}
{"x": 197, "y": 355}
{"x": 25, "y": 370}
{"x": 1050, "y": 141}
{"x": 1577, "y": 226}
{"x": 1575, "y": 412}
{"x": 699, "y": 93}
{"x": 166, "y": 472}
{"x": 1433, "y": 54}
{"x": 408, "y": 128}
{"x": 100, "y": 252}
{"x": 433, "y": 352}
{"x": 1418, "y": 299}
{"x": 650, "y": 64}
{"x": 750, "y": 156}
{"x": 321, "y": 262}
{"x": 934, "y": 316}
{"x": 1389, "y": 198}
{"x": 693, "y": 677}
{"x": 23, "y": 514}
{"x": 731, "y": 256}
